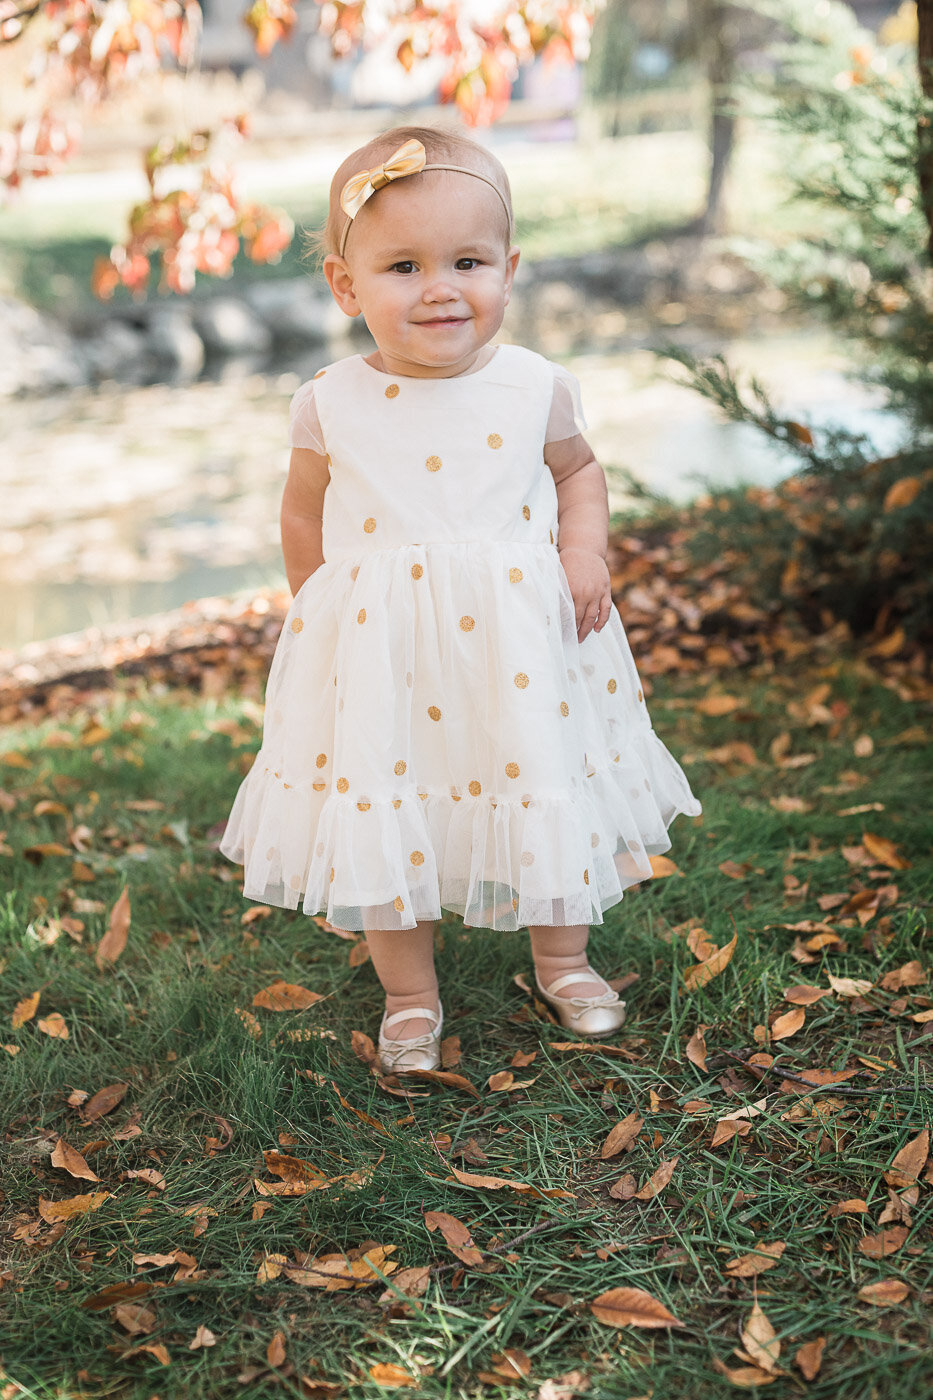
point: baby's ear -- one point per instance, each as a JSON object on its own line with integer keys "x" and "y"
{"x": 340, "y": 281}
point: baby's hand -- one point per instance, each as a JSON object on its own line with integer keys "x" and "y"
{"x": 588, "y": 577}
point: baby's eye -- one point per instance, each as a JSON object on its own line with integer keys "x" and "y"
{"x": 466, "y": 264}
{"x": 405, "y": 266}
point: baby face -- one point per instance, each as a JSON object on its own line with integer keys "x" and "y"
{"x": 428, "y": 267}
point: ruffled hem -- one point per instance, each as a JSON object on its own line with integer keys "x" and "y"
{"x": 502, "y": 863}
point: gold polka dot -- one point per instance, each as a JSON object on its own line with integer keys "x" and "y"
{"x": 354, "y": 572}
{"x": 526, "y": 801}
{"x": 286, "y": 786}
{"x": 454, "y": 796}
{"x": 362, "y": 806}
{"x": 297, "y": 624}
{"x": 521, "y": 680}
{"x": 551, "y": 536}
{"x": 433, "y": 712}
{"x": 512, "y": 770}
{"x": 295, "y": 882}
{"x": 320, "y": 761}
{"x": 494, "y": 440}
{"x": 467, "y": 623}
{"x": 361, "y": 615}
{"x": 277, "y": 775}
{"x": 342, "y": 784}
{"x": 612, "y": 686}
{"x": 641, "y": 696}
{"x": 399, "y": 903}
{"x": 392, "y": 391}
{"x": 422, "y": 795}
{"x": 417, "y": 858}
{"x": 586, "y": 877}
{"x": 369, "y": 524}
{"x": 396, "y": 802}
{"x": 475, "y": 788}
{"x": 564, "y": 708}
{"x": 527, "y": 858}
{"x": 400, "y": 767}
{"x": 271, "y": 853}
{"x": 526, "y": 512}
{"x": 320, "y": 374}
{"x": 514, "y": 903}
{"x": 416, "y": 571}
{"x": 515, "y": 575}
{"x": 319, "y": 787}
{"x": 331, "y": 875}
{"x": 494, "y": 804}
{"x": 594, "y": 839}
{"x": 433, "y": 464}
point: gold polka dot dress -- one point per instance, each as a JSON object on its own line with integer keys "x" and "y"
{"x": 435, "y": 736}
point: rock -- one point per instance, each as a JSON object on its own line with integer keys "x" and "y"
{"x": 36, "y": 355}
{"x": 227, "y": 326}
{"x": 171, "y": 340}
{"x": 294, "y": 311}
{"x": 115, "y": 351}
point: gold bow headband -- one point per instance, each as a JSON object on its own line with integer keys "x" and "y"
{"x": 407, "y": 160}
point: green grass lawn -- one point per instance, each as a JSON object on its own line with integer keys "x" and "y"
{"x": 127, "y": 795}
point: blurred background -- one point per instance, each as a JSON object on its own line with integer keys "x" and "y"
{"x": 143, "y": 431}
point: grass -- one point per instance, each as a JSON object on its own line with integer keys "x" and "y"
{"x": 162, "y": 1020}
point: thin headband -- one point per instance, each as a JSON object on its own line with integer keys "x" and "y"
{"x": 409, "y": 159}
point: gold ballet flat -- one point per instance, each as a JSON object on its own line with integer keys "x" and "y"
{"x": 593, "y": 1016}
{"x": 421, "y": 1052}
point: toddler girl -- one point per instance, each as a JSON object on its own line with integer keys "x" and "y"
{"x": 453, "y": 717}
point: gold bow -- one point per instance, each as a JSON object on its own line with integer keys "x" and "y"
{"x": 407, "y": 160}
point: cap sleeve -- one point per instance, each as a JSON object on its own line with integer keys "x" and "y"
{"x": 566, "y": 418}
{"x": 305, "y": 425}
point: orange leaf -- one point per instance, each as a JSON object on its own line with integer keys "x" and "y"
{"x": 853, "y": 1206}
{"x": 764, "y": 1257}
{"x": 148, "y": 1176}
{"x": 884, "y": 1243}
{"x": 745, "y": 1377}
{"x": 104, "y": 1101}
{"x": 412, "y": 1282}
{"x": 657, "y": 1181}
{"x": 275, "y": 1351}
{"x": 662, "y": 867}
{"x": 501, "y": 1081}
{"x": 24, "y": 1010}
{"x": 788, "y": 1024}
{"x": 804, "y": 994}
{"x": 910, "y": 975}
{"x": 457, "y": 1236}
{"x": 114, "y": 940}
{"x": 760, "y": 1340}
{"x": 885, "y": 1293}
{"x": 696, "y": 1047}
{"x": 54, "y": 1026}
{"x": 902, "y": 493}
{"x": 622, "y": 1136}
{"x": 292, "y": 1168}
{"x": 718, "y": 704}
{"x": 284, "y": 996}
{"x": 698, "y": 976}
{"x": 71, "y": 1161}
{"x": 631, "y": 1307}
{"x": 908, "y": 1164}
{"x": 496, "y": 1183}
{"x": 388, "y": 1374}
{"x": 52, "y": 1211}
{"x": 884, "y": 850}
{"x": 728, "y": 1128}
{"x": 809, "y": 1358}
{"x": 511, "y": 1363}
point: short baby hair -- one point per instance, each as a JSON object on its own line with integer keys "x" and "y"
{"x": 441, "y": 148}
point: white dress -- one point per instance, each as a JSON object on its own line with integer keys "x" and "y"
{"x": 435, "y": 735}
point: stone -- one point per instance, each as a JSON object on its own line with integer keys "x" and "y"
{"x": 37, "y": 355}
{"x": 293, "y": 310}
{"x": 116, "y": 350}
{"x": 171, "y": 340}
{"x": 227, "y": 326}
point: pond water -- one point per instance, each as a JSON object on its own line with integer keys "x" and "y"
{"x": 123, "y": 502}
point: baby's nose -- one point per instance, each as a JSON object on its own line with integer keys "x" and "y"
{"x": 439, "y": 289}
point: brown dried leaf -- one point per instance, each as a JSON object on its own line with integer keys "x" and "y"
{"x": 157, "y": 1349}
{"x": 451, "y": 1052}
{"x": 622, "y": 1136}
{"x": 275, "y": 1351}
{"x": 701, "y": 973}
{"x": 760, "y": 1340}
{"x": 114, "y": 940}
{"x": 511, "y": 1363}
{"x": 496, "y": 1183}
{"x": 623, "y": 1189}
{"x": 728, "y": 1128}
{"x": 445, "y": 1076}
{"x": 456, "y": 1235}
{"x": 71, "y": 1161}
{"x": 293, "y": 1169}
{"x": 54, "y": 1026}
{"x": 24, "y": 1010}
{"x": 804, "y": 994}
{"x": 788, "y": 1024}
{"x": 849, "y": 986}
{"x": 885, "y": 1293}
{"x": 718, "y": 704}
{"x": 203, "y": 1337}
{"x": 910, "y": 975}
{"x": 52, "y": 1211}
{"x": 884, "y": 1243}
{"x": 412, "y": 1282}
{"x": 386, "y": 1373}
{"x": 909, "y": 1163}
{"x": 657, "y": 1181}
{"x": 885, "y": 851}
{"x": 149, "y": 1176}
{"x": 135, "y": 1318}
{"x": 745, "y": 1377}
{"x": 696, "y": 1047}
{"x": 760, "y": 1259}
{"x": 115, "y": 1293}
{"x": 901, "y": 493}
{"x": 853, "y": 1206}
{"x": 284, "y": 996}
{"x": 631, "y": 1307}
{"x": 103, "y": 1102}
{"x": 501, "y": 1081}
{"x": 662, "y": 867}
{"x": 809, "y": 1358}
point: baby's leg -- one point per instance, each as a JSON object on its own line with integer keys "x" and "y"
{"x": 404, "y": 963}
{"x": 559, "y": 950}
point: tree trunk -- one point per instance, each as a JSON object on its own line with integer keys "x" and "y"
{"x": 925, "y": 132}
{"x": 721, "y": 67}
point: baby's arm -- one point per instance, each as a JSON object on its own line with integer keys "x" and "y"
{"x": 583, "y": 522}
{"x": 303, "y": 514}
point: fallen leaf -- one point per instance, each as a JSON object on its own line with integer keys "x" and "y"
{"x": 293, "y": 1169}
{"x": 698, "y": 976}
{"x": 104, "y": 1101}
{"x": 501, "y": 1081}
{"x": 451, "y": 1052}
{"x": 884, "y": 851}
{"x": 54, "y": 1026}
{"x": 157, "y": 1349}
{"x": 446, "y": 1077}
{"x": 885, "y": 1293}
{"x": 114, "y": 940}
{"x": 631, "y": 1307}
{"x": 910, "y": 975}
{"x": 735, "y": 871}
{"x": 788, "y": 1024}
{"x": 51, "y": 1211}
{"x": 809, "y": 1358}
{"x": 412, "y": 1282}
{"x": 623, "y": 1189}
{"x": 849, "y": 986}
{"x": 853, "y": 1206}
{"x": 718, "y": 704}
{"x": 696, "y": 1047}
{"x": 457, "y": 1236}
{"x": 764, "y": 1257}
{"x": 745, "y": 1377}
{"x": 115, "y": 1293}
{"x": 203, "y": 1337}
{"x": 498, "y": 1183}
{"x": 700, "y": 945}
{"x": 804, "y": 994}
{"x": 728, "y": 1128}
{"x": 149, "y": 1176}
{"x": 359, "y": 1268}
{"x": 884, "y": 1243}
{"x": 511, "y": 1363}
{"x": 787, "y": 804}
{"x": 657, "y": 1181}
{"x": 275, "y": 1351}
{"x": 622, "y": 1136}
{"x": 386, "y": 1373}
{"x": 662, "y": 867}
{"x": 258, "y": 911}
{"x": 284, "y": 996}
{"x": 902, "y": 492}
{"x": 24, "y": 1010}
{"x": 71, "y": 1161}
{"x": 909, "y": 1163}
{"x": 135, "y": 1318}
{"x": 760, "y": 1340}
